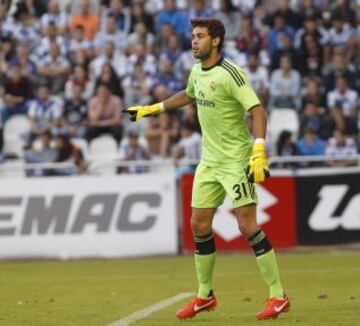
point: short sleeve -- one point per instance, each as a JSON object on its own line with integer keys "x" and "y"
{"x": 240, "y": 88}
{"x": 190, "y": 85}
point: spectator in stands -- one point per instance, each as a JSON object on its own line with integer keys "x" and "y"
{"x": 79, "y": 78}
{"x": 338, "y": 68}
{"x": 27, "y": 65}
{"x": 312, "y": 29}
{"x": 170, "y": 15}
{"x": 139, "y": 54}
{"x": 6, "y": 53}
{"x": 184, "y": 64}
{"x": 90, "y": 21}
{"x": 53, "y": 14}
{"x": 285, "y": 84}
{"x": 109, "y": 55}
{"x": 310, "y": 144}
{"x": 342, "y": 35}
{"x": 122, "y": 16}
{"x": 108, "y": 76}
{"x": 286, "y": 147}
{"x": 140, "y": 16}
{"x": 166, "y": 76}
{"x": 188, "y": 148}
{"x": 25, "y": 31}
{"x": 41, "y": 152}
{"x": 290, "y": 17}
{"x": 162, "y": 38}
{"x": 141, "y": 35}
{"x": 44, "y": 112}
{"x": 173, "y": 50}
{"x": 311, "y": 117}
{"x": 344, "y": 97}
{"x": 74, "y": 117}
{"x": 110, "y": 34}
{"x": 196, "y": 8}
{"x": 138, "y": 87}
{"x": 336, "y": 120}
{"x": 341, "y": 144}
{"x": 51, "y": 35}
{"x": 274, "y": 36}
{"x": 54, "y": 69}
{"x": 104, "y": 114}
{"x": 311, "y": 59}
{"x": 161, "y": 133}
{"x": 287, "y": 48}
{"x": 67, "y": 152}
{"x": 249, "y": 37}
{"x": 346, "y": 9}
{"x": 231, "y": 18}
{"x": 153, "y": 134}
{"x": 258, "y": 76}
{"x": 78, "y": 42}
{"x": 325, "y": 50}
{"x": 17, "y": 91}
{"x": 312, "y": 93}
{"x": 132, "y": 150}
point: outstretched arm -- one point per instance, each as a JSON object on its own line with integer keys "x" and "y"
{"x": 173, "y": 102}
{"x": 177, "y": 100}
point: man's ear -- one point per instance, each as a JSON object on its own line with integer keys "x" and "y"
{"x": 216, "y": 41}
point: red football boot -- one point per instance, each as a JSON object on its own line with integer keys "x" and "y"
{"x": 197, "y": 305}
{"x": 273, "y": 308}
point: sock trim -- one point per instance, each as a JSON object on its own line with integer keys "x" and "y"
{"x": 260, "y": 243}
{"x": 204, "y": 245}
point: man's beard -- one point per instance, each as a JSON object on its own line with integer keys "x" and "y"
{"x": 204, "y": 56}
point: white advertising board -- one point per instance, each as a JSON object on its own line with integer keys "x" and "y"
{"x": 74, "y": 217}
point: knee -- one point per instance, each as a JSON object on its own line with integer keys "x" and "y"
{"x": 199, "y": 227}
{"x": 247, "y": 227}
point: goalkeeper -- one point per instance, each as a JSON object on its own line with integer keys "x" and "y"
{"x": 230, "y": 162}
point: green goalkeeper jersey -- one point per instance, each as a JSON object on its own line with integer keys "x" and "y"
{"x": 223, "y": 94}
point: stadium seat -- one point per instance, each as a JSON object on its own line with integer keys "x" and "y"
{"x": 16, "y": 130}
{"x": 280, "y": 120}
{"x": 103, "y": 148}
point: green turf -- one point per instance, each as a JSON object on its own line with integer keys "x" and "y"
{"x": 324, "y": 290}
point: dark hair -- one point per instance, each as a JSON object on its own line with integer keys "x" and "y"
{"x": 187, "y": 125}
{"x": 283, "y": 137}
{"x": 215, "y": 28}
{"x": 65, "y": 151}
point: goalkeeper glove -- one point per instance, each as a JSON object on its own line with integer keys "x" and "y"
{"x": 137, "y": 112}
{"x": 258, "y": 169}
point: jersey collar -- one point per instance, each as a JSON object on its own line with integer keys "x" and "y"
{"x": 218, "y": 63}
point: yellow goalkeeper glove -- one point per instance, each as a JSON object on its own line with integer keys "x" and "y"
{"x": 258, "y": 169}
{"x": 137, "y": 112}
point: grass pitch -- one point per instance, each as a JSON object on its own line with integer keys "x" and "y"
{"x": 324, "y": 290}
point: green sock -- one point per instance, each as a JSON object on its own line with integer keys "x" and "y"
{"x": 204, "y": 263}
{"x": 204, "y": 269}
{"x": 266, "y": 260}
{"x": 270, "y": 272}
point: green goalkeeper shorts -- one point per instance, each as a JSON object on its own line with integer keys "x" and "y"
{"x": 211, "y": 184}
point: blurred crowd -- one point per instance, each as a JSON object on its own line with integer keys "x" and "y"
{"x": 71, "y": 66}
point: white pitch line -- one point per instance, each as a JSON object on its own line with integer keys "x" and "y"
{"x": 140, "y": 314}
